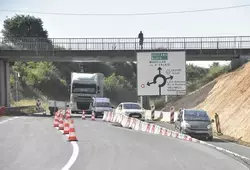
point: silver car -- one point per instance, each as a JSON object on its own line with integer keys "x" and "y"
{"x": 195, "y": 123}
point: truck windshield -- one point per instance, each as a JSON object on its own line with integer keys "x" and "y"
{"x": 102, "y": 104}
{"x": 84, "y": 88}
{"x": 196, "y": 115}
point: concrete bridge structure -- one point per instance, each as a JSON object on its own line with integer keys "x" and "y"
{"x": 233, "y": 48}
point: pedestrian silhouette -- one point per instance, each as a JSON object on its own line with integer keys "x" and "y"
{"x": 140, "y": 36}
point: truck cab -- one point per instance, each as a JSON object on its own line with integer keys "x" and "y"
{"x": 101, "y": 104}
{"x": 84, "y": 87}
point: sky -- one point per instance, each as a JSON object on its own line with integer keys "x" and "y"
{"x": 212, "y": 23}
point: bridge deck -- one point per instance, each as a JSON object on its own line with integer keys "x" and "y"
{"x": 197, "y": 48}
{"x": 168, "y": 43}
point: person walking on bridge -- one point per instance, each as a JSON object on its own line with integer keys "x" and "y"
{"x": 140, "y": 36}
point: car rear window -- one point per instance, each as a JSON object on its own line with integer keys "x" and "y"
{"x": 192, "y": 115}
{"x": 131, "y": 106}
{"x": 102, "y": 104}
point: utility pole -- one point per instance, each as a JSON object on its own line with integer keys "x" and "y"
{"x": 16, "y": 76}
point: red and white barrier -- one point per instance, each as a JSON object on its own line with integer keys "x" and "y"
{"x": 2, "y": 109}
{"x": 165, "y": 115}
{"x": 138, "y": 125}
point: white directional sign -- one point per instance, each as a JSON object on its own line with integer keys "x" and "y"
{"x": 161, "y": 73}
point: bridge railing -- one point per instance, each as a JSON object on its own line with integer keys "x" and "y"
{"x": 168, "y": 43}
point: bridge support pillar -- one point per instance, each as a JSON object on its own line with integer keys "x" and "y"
{"x": 4, "y": 84}
{"x": 145, "y": 102}
{"x": 238, "y": 62}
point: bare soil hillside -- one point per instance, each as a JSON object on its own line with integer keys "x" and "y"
{"x": 193, "y": 99}
{"x": 229, "y": 97}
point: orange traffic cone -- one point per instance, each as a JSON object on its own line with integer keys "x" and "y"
{"x": 61, "y": 123}
{"x": 72, "y": 135}
{"x": 66, "y": 127}
{"x": 67, "y": 114}
{"x": 93, "y": 115}
{"x": 56, "y": 114}
{"x": 56, "y": 122}
{"x": 59, "y": 114}
{"x": 83, "y": 114}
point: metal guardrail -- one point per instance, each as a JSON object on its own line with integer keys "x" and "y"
{"x": 98, "y": 44}
{"x": 18, "y": 108}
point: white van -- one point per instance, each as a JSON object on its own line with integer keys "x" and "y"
{"x": 101, "y": 104}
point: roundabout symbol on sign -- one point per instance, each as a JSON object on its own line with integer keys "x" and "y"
{"x": 159, "y": 75}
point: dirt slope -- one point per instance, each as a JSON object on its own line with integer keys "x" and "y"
{"x": 229, "y": 97}
{"x": 193, "y": 99}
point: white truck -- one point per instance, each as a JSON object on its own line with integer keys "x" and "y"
{"x": 83, "y": 88}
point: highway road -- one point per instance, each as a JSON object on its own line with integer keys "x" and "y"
{"x": 32, "y": 143}
{"x": 240, "y": 149}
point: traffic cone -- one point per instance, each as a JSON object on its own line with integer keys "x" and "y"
{"x": 68, "y": 115}
{"x": 93, "y": 115}
{"x": 59, "y": 114}
{"x": 56, "y": 122}
{"x": 66, "y": 127}
{"x": 72, "y": 135}
{"x": 61, "y": 123}
{"x": 83, "y": 114}
{"x": 56, "y": 114}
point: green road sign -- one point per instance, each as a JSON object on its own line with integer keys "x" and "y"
{"x": 159, "y": 56}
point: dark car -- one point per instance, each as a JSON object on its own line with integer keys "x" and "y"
{"x": 195, "y": 123}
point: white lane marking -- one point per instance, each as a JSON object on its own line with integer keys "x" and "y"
{"x": 236, "y": 144}
{"x": 225, "y": 150}
{"x": 4, "y": 121}
{"x": 73, "y": 156}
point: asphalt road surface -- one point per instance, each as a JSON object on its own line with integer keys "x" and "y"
{"x": 240, "y": 149}
{"x": 32, "y": 143}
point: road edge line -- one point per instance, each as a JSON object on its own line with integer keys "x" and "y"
{"x": 73, "y": 157}
{"x": 6, "y": 120}
{"x": 225, "y": 150}
{"x": 194, "y": 140}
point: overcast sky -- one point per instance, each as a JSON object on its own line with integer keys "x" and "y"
{"x": 213, "y": 23}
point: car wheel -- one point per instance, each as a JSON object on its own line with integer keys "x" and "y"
{"x": 210, "y": 138}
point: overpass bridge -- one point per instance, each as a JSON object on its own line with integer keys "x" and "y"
{"x": 233, "y": 48}
{"x": 121, "y": 49}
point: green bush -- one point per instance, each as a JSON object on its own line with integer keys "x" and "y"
{"x": 158, "y": 102}
{"x": 119, "y": 89}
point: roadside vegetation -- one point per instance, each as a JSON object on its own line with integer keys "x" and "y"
{"x": 50, "y": 80}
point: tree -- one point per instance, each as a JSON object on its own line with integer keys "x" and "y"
{"x": 20, "y": 26}
{"x": 195, "y": 73}
{"x": 14, "y": 29}
{"x": 119, "y": 89}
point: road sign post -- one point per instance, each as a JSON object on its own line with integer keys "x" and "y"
{"x": 161, "y": 73}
